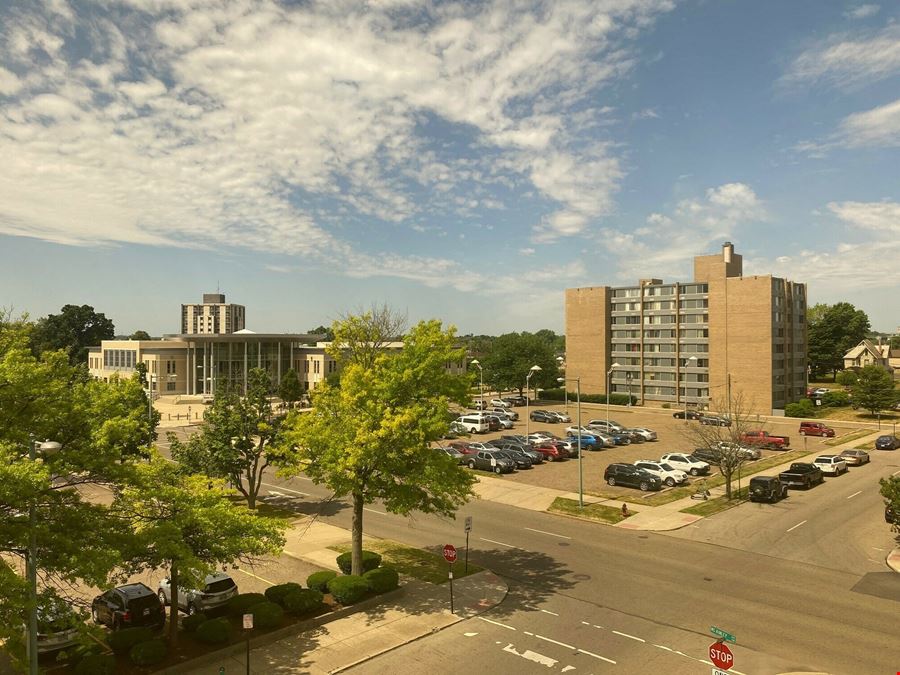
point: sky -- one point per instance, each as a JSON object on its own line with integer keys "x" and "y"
{"x": 466, "y": 161}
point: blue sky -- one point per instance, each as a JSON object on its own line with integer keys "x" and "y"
{"x": 460, "y": 160}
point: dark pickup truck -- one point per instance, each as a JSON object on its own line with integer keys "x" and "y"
{"x": 802, "y": 475}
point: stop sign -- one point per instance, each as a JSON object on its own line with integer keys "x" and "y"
{"x": 721, "y": 656}
{"x": 450, "y": 553}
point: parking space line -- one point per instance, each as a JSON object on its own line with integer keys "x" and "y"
{"x": 498, "y": 542}
{"x": 286, "y": 489}
{"x": 380, "y": 513}
{"x": 854, "y": 494}
{"x": 561, "y": 536}
{"x": 631, "y": 637}
{"x": 802, "y": 522}
{"x": 547, "y": 611}
{"x": 561, "y": 644}
{"x": 250, "y": 574}
{"x": 597, "y": 656}
{"x": 496, "y": 623}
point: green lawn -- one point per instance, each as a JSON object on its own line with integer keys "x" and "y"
{"x": 415, "y": 562}
{"x": 599, "y": 512}
{"x": 846, "y": 438}
{"x": 718, "y": 504}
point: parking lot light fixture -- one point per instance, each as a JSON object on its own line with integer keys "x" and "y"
{"x": 561, "y": 363}
{"x": 578, "y": 424}
{"x": 688, "y": 365}
{"x": 531, "y": 371}
{"x": 481, "y": 378}
{"x": 608, "y": 381}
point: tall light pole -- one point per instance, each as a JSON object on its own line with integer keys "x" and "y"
{"x": 481, "y": 376}
{"x": 608, "y": 379}
{"x": 150, "y": 379}
{"x": 578, "y": 423}
{"x": 560, "y": 360}
{"x": 531, "y": 371}
{"x": 47, "y": 448}
{"x": 688, "y": 365}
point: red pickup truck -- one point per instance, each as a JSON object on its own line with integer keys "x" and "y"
{"x": 765, "y": 440}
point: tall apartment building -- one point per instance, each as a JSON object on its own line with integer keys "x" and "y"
{"x": 692, "y": 343}
{"x": 212, "y": 317}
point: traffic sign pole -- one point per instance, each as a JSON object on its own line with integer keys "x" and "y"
{"x": 450, "y": 567}
{"x": 450, "y": 557}
{"x": 468, "y": 529}
{"x": 720, "y": 655}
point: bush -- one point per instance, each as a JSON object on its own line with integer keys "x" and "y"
{"x": 836, "y": 398}
{"x": 267, "y": 614}
{"x": 804, "y": 408}
{"x": 276, "y": 593}
{"x": 382, "y": 580}
{"x": 96, "y": 664}
{"x": 370, "y": 561}
{"x": 559, "y": 394}
{"x": 192, "y": 622}
{"x": 348, "y": 590}
{"x": 304, "y": 601}
{"x": 121, "y": 641}
{"x": 318, "y": 581}
{"x": 213, "y": 631}
{"x": 241, "y": 602}
{"x": 148, "y": 653}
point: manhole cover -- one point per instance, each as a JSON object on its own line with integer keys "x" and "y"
{"x": 706, "y": 579}
{"x": 581, "y": 577}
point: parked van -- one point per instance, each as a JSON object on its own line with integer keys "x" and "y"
{"x": 815, "y": 429}
{"x": 474, "y": 424}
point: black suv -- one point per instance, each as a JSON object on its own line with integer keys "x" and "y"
{"x": 767, "y": 489}
{"x": 631, "y": 476}
{"x": 127, "y": 606}
{"x": 543, "y": 416}
{"x": 715, "y": 421}
{"x": 708, "y": 455}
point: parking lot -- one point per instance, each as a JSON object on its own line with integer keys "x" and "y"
{"x": 671, "y": 437}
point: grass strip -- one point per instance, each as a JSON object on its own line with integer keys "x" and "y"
{"x": 414, "y": 562}
{"x": 711, "y": 506}
{"x": 846, "y": 438}
{"x": 599, "y": 512}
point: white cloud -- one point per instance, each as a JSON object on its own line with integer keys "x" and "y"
{"x": 862, "y": 11}
{"x": 878, "y": 127}
{"x": 878, "y": 217}
{"x": 645, "y": 114}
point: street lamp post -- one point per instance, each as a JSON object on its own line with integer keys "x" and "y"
{"x": 47, "y": 448}
{"x": 150, "y": 379}
{"x": 578, "y": 423}
{"x": 608, "y": 379}
{"x": 559, "y": 361}
{"x": 481, "y": 378}
{"x": 531, "y": 371}
{"x": 694, "y": 359}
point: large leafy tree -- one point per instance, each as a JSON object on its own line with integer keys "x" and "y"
{"x": 326, "y": 332}
{"x": 367, "y": 438}
{"x": 140, "y": 335}
{"x": 873, "y": 389}
{"x": 73, "y": 330}
{"x": 833, "y": 330}
{"x": 186, "y": 524}
{"x": 511, "y": 357}
{"x": 235, "y": 439}
{"x": 890, "y": 490}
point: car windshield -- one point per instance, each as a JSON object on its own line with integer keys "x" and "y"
{"x": 143, "y": 601}
{"x": 667, "y": 467}
{"x": 219, "y": 586}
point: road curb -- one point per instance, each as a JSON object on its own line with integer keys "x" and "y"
{"x": 893, "y": 559}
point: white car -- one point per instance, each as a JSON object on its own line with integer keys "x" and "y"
{"x": 218, "y": 589}
{"x": 561, "y": 416}
{"x": 500, "y": 403}
{"x": 505, "y": 422}
{"x": 748, "y": 453}
{"x": 511, "y": 414}
{"x": 833, "y": 465}
{"x": 665, "y": 472}
{"x": 686, "y": 463}
{"x": 603, "y": 425}
{"x": 539, "y": 437}
{"x": 574, "y": 431}
{"x": 646, "y": 434}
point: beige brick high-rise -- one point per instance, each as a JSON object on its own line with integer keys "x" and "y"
{"x": 692, "y": 343}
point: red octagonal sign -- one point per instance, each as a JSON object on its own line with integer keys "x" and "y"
{"x": 450, "y": 553}
{"x": 721, "y": 656}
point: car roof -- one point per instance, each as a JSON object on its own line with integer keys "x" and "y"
{"x": 135, "y": 590}
{"x": 825, "y": 457}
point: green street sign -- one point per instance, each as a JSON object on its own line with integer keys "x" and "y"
{"x": 728, "y": 637}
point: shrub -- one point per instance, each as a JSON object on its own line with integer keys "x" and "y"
{"x": 276, "y": 593}
{"x": 318, "y": 581}
{"x": 382, "y": 580}
{"x": 666, "y": 406}
{"x": 267, "y": 614}
{"x": 370, "y": 561}
{"x": 192, "y": 622}
{"x": 213, "y": 631}
{"x": 240, "y": 603}
{"x": 804, "y": 408}
{"x": 348, "y": 590}
{"x": 836, "y": 398}
{"x": 96, "y": 664}
{"x": 122, "y": 641}
{"x": 148, "y": 653}
{"x": 559, "y": 394}
{"x": 304, "y": 601}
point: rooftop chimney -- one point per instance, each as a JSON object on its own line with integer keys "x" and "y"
{"x": 727, "y": 251}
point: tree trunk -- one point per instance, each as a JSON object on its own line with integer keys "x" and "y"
{"x": 357, "y": 534}
{"x": 173, "y": 607}
{"x": 727, "y": 477}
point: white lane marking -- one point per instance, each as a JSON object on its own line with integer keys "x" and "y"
{"x": 561, "y": 536}
{"x": 597, "y": 656}
{"x": 600, "y": 627}
{"x": 585, "y": 623}
{"x": 896, "y": 472}
{"x": 877, "y": 549}
{"x": 532, "y": 656}
{"x": 802, "y": 522}
{"x": 250, "y": 574}
{"x": 547, "y": 611}
{"x": 668, "y": 649}
{"x": 281, "y": 487}
{"x": 380, "y": 513}
{"x": 498, "y": 542}
{"x": 470, "y": 634}
{"x": 561, "y": 644}
{"x": 567, "y": 669}
{"x": 854, "y": 494}
{"x": 497, "y": 623}
{"x": 630, "y": 637}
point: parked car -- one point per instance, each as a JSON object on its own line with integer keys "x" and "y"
{"x": 815, "y": 429}
{"x": 631, "y": 476}
{"x": 686, "y": 463}
{"x": 748, "y": 453}
{"x": 833, "y": 465}
{"x": 711, "y": 455}
{"x": 665, "y": 472}
{"x": 542, "y": 416}
{"x": 887, "y": 443}
{"x": 603, "y": 425}
{"x": 551, "y": 451}
{"x": 802, "y": 474}
{"x": 58, "y": 624}
{"x": 500, "y": 422}
{"x": 603, "y": 440}
{"x": 514, "y": 447}
{"x": 540, "y": 437}
{"x": 127, "y": 606}
{"x": 479, "y": 404}
{"x": 476, "y": 445}
{"x": 624, "y": 437}
{"x": 463, "y": 448}
{"x": 690, "y": 414}
{"x": 715, "y": 420}
{"x": 474, "y": 424}
{"x": 591, "y": 441}
{"x": 767, "y": 489}
{"x": 487, "y": 461}
{"x": 509, "y": 412}
{"x": 515, "y": 400}
{"x": 518, "y": 438}
{"x": 456, "y": 428}
{"x": 520, "y": 460}
{"x": 560, "y": 416}
{"x": 570, "y": 444}
{"x": 646, "y": 434}
{"x": 460, "y": 457}
{"x": 500, "y": 403}
{"x": 574, "y": 430}
{"x": 764, "y": 439}
{"x": 217, "y": 589}
{"x": 855, "y": 457}
{"x": 817, "y": 392}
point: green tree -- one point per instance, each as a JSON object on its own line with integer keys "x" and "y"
{"x": 513, "y": 354}
{"x": 890, "y": 490}
{"x": 368, "y": 438}
{"x": 326, "y": 333}
{"x": 557, "y": 342}
{"x": 846, "y": 378}
{"x": 140, "y": 335}
{"x": 895, "y": 342}
{"x": 290, "y": 390}
{"x": 874, "y": 389}
{"x": 73, "y": 330}
{"x": 833, "y": 330}
{"x": 186, "y": 524}
{"x": 235, "y": 438}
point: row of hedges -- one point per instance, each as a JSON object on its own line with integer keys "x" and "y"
{"x": 559, "y": 394}
{"x": 807, "y": 408}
